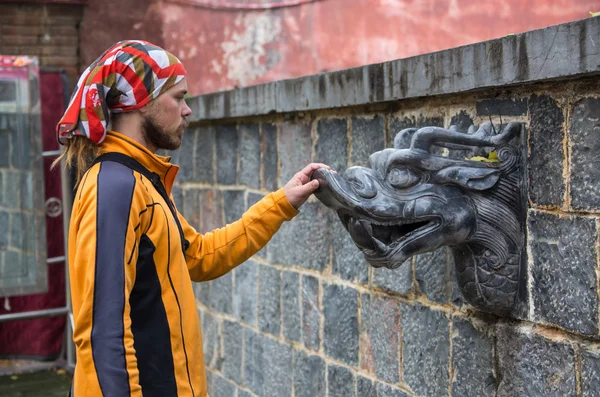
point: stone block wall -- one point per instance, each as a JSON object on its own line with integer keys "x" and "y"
{"x": 307, "y": 316}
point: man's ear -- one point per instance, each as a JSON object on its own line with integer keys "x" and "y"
{"x": 144, "y": 109}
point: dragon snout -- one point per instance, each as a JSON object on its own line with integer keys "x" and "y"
{"x": 344, "y": 191}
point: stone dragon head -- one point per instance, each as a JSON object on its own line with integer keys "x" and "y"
{"x": 410, "y": 201}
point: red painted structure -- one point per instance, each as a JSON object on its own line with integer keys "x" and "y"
{"x": 43, "y": 337}
{"x": 227, "y": 43}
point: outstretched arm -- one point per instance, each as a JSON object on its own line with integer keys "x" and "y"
{"x": 215, "y": 253}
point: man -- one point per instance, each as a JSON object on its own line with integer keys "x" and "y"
{"x": 132, "y": 256}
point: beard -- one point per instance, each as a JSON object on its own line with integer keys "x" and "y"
{"x": 160, "y": 137}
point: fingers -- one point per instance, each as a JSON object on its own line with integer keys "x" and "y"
{"x": 308, "y": 189}
{"x": 298, "y": 194}
{"x": 304, "y": 178}
{"x": 312, "y": 186}
{"x": 304, "y": 175}
{"x": 312, "y": 167}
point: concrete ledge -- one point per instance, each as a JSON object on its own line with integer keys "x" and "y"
{"x": 571, "y": 49}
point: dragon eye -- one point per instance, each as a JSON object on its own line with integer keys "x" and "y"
{"x": 402, "y": 177}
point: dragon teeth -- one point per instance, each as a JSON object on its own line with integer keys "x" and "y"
{"x": 367, "y": 226}
{"x": 396, "y": 223}
{"x": 381, "y": 247}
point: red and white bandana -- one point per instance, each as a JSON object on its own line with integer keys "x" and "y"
{"x": 126, "y": 77}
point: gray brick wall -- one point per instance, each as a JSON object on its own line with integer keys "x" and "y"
{"x": 308, "y": 317}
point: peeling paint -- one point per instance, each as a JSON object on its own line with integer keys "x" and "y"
{"x": 216, "y": 67}
{"x": 238, "y": 48}
{"x": 172, "y": 13}
{"x": 246, "y": 56}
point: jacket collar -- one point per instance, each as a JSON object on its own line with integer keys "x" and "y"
{"x": 116, "y": 142}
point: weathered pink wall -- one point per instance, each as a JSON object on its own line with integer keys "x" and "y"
{"x": 107, "y": 21}
{"x": 225, "y": 49}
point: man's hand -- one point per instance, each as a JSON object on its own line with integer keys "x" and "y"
{"x": 300, "y": 187}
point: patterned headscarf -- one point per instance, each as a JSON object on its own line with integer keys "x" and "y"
{"x": 126, "y": 77}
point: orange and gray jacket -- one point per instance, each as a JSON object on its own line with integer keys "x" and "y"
{"x": 137, "y": 330}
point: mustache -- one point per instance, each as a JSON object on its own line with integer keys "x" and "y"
{"x": 185, "y": 124}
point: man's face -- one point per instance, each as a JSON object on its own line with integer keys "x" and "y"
{"x": 165, "y": 121}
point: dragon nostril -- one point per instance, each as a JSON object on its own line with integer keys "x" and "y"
{"x": 357, "y": 184}
{"x": 364, "y": 190}
{"x": 361, "y": 182}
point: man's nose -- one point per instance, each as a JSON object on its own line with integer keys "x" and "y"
{"x": 186, "y": 110}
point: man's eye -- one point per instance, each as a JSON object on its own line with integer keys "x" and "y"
{"x": 402, "y": 177}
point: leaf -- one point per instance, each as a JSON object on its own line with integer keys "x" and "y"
{"x": 492, "y": 158}
{"x": 14, "y": 377}
{"x": 477, "y": 158}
